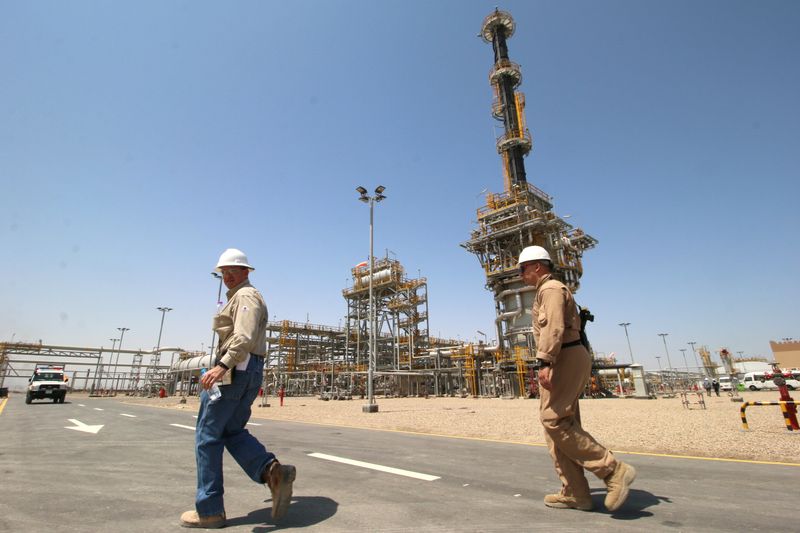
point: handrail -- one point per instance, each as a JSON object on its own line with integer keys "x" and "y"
{"x": 784, "y": 409}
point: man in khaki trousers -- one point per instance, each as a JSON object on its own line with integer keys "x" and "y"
{"x": 563, "y": 374}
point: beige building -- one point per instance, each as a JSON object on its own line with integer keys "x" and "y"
{"x": 786, "y": 353}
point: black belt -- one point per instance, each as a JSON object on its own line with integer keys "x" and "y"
{"x": 571, "y": 344}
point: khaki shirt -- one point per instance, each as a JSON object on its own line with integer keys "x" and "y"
{"x": 555, "y": 318}
{"x": 241, "y": 325}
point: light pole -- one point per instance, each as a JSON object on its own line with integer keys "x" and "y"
{"x": 371, "y": 406}
{"x": 625, "y": 325}
{"x": 479, "y": 332}
{"x": 683, "y": 352}
{"x": 660, "y": 373}
{"x": 98, "y": 380}
{"x": 164, "y": 311}
{"x": 694, "y": 353}
{"x": 119, "y": 347}
{"x": 219, "y": 303}
{"x": 669, "y": 361}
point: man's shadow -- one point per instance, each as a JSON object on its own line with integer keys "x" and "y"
{"x": 633, "y": 508}
{"x": 304, "y": 511}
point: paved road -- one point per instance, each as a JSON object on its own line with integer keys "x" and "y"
{"x": 137, "y": 474}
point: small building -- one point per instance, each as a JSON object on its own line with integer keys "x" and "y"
{"x": 786, "y": 353}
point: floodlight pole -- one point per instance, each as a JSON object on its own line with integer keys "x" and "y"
{"x": 119, "y": 349}
{"x": 164, "y": 311}
{"x": 683, "y": 352}
{"x": 219, "y": 303}
{"x": 669, "y": 361}
{"x": 630, "y": 352}
{"x": 694, "y": 353}
{"x": 371, "y": 406}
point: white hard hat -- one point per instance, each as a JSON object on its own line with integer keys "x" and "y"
{"x": 233, "y": 257}
{"x": 534, "y": 253}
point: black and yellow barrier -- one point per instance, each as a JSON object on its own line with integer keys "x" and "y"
{"x": 784, "y": 410}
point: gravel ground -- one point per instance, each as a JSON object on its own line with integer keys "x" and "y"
{"x": 660, "y": 426}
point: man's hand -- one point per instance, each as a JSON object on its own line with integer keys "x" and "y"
{"x": 544, "y": 377}
{"x": 212, "y": 376}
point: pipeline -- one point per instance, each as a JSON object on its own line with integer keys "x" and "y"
{"x": 510, "y": 315}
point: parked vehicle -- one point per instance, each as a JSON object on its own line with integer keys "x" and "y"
{"x": 725, "y": 383}
{"x": 760, "y": 381}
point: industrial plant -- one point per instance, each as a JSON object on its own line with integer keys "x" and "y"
{"x": 385, "y": 310}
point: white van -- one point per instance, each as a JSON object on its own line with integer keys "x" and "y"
{"x": 725, "y": 383}
{"x": 760, "y": 381}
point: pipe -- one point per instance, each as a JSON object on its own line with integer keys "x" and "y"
{"x": 524, "y": 288}
{"x": 504, "y": 317}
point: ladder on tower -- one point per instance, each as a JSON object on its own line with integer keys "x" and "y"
{"x": 150, "y": 374}
{"x": 522, "y": 369}
{"x": 287, "y": 347}
{"x": 469, "y": 371}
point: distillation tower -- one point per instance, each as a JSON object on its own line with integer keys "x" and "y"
{"x": 522, "y": 215}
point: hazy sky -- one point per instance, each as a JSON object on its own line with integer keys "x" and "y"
{"x": 140, "y": 139}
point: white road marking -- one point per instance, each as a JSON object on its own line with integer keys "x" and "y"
{"x": 381, "y": 468}
{"x": 81, "y": 405}
{"x": 126, "y": 414}
{"x": 194, "y": 416}
{"x": 98, "y": 409}
{"x": 184, "y": 427}
{"x": 80, "y": 426}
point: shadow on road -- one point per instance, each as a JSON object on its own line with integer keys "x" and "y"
{"x": 304, "y": 511}
{"x": 634, "y": 507}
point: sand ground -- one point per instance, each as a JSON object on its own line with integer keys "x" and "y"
{"x": 662, "y": 426}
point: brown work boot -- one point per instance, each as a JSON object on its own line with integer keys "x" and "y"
{"x": 279, "y": 480}
{"x": 192, "y": 519}
{"x": 561, "y": 501}
{"x": 618, "y": 483}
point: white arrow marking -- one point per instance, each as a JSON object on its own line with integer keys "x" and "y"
{"x": 80, "y": 426}
{"x": 372, "y": 466}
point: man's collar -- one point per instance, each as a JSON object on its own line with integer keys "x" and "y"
{"x": 231, "y": 292}
{"x": 543, "y": 279}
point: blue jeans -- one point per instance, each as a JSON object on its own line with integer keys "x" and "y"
{"x": 222, "y": 424}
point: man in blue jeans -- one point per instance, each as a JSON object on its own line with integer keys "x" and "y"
{"x": 242, "y": 328}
